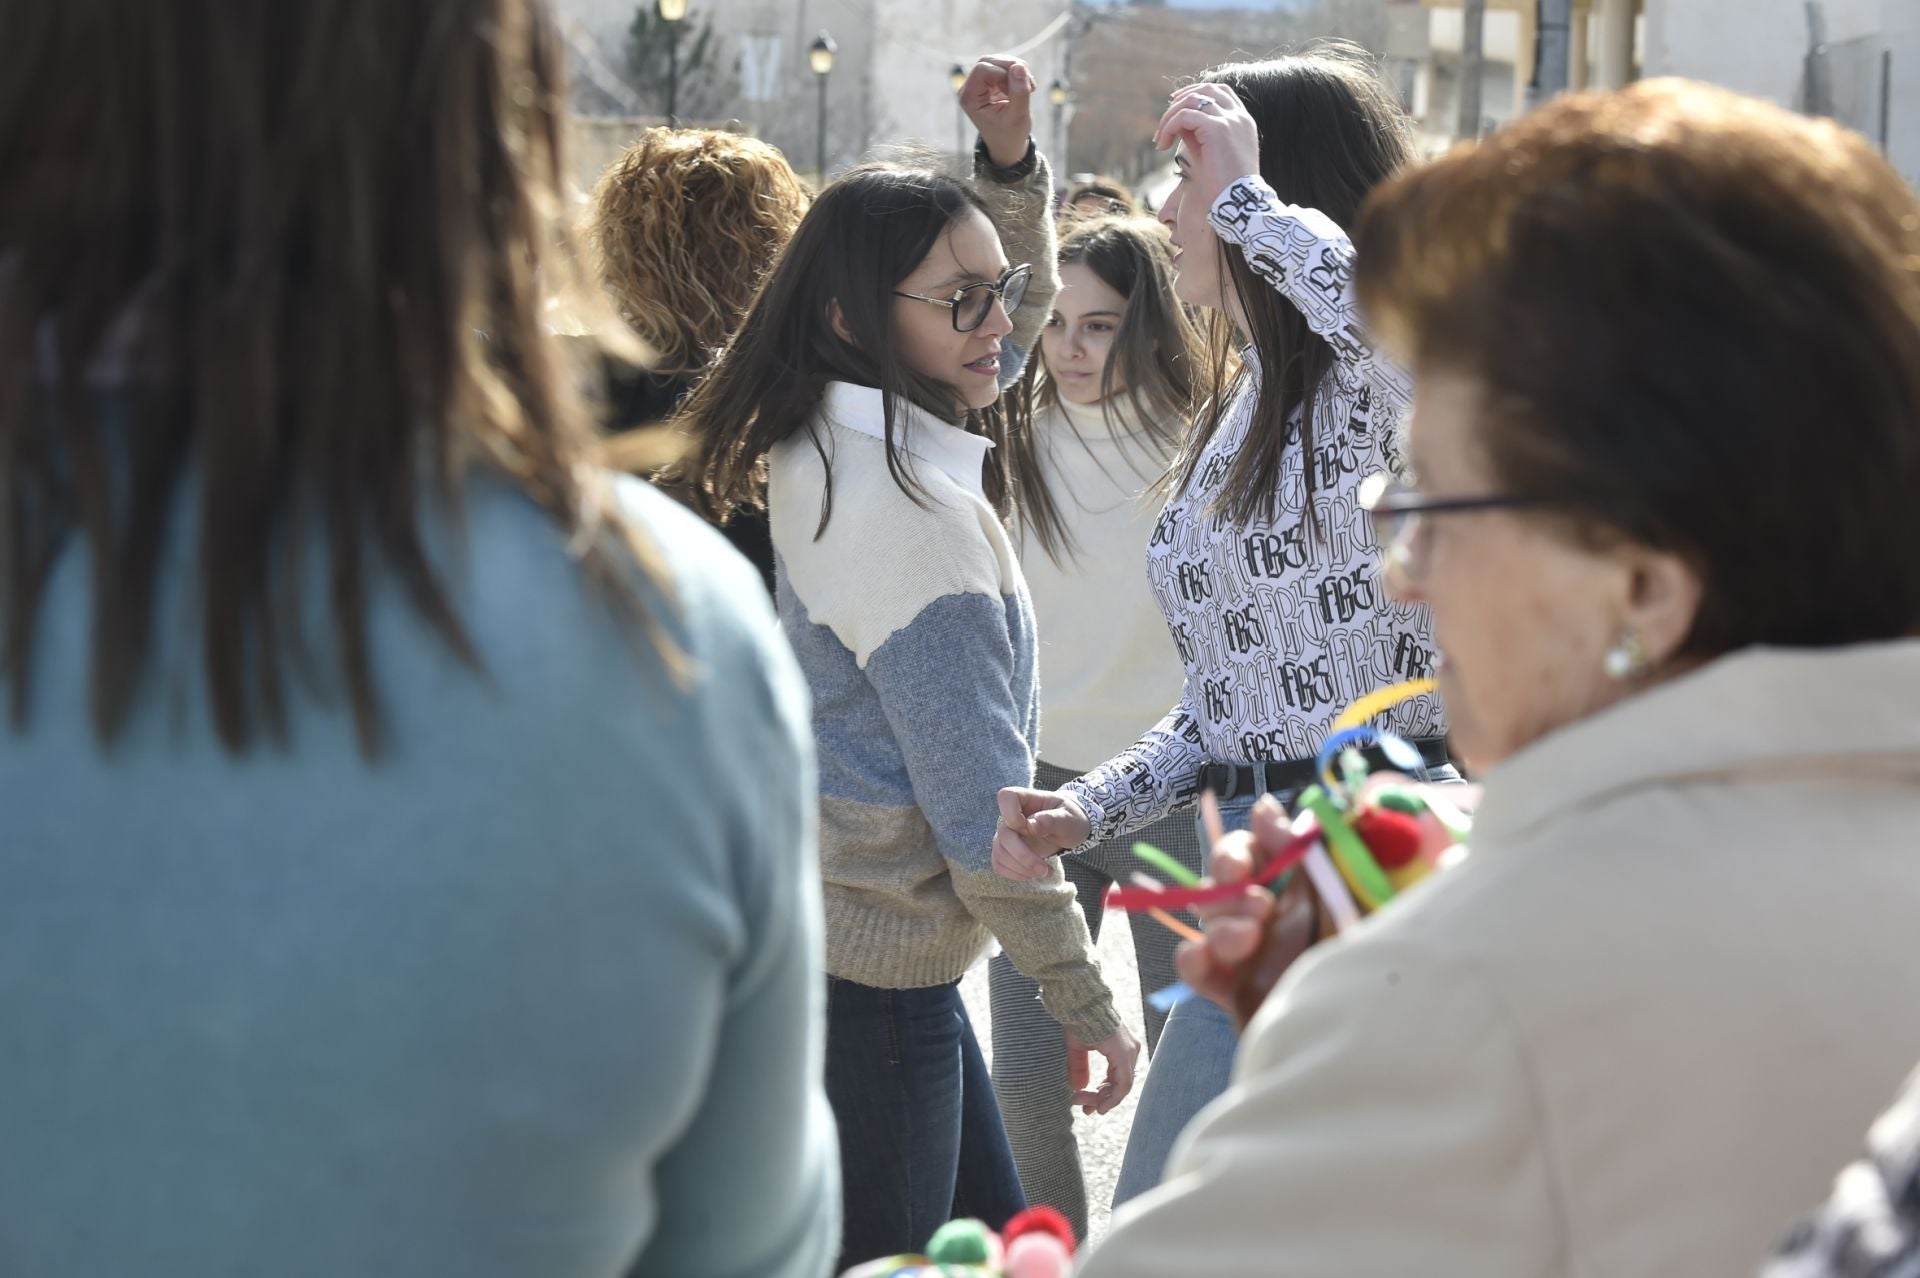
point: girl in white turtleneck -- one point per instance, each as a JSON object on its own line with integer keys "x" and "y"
{"x": 1112, "y": 393}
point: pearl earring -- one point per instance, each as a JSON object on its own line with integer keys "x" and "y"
{"x": 1626, "y": 659}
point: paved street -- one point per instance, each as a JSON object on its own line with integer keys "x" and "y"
{"x": 1103, "y": 1138}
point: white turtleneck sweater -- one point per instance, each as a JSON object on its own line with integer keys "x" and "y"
{"x": 1108, "y": 667}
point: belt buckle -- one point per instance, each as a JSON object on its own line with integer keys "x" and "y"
{"x": 1228, "y": 777}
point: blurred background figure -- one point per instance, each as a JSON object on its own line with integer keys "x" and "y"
{"x": 1100, "y": 197}
{"x": 682, "y": 228}
{"x": 1666, "y": 441}
{"x": 368, "y": 903}
{"x": 1111, "y": 391}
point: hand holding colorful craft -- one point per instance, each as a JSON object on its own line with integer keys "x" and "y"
{"x": 1358, "y": 841}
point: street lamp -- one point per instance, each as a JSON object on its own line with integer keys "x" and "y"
{"x": 820, "y": 58}
{"x": 958, "y": 79}
{"x": 673, "y": 12}
{"x": 1059, "y": 95}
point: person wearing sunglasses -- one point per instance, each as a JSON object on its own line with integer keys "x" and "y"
{"x": 1660, "y": 499}
{"x": 971, "y": 304}
{"x": 861, "y": 402}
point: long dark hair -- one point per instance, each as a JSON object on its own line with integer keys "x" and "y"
{"x": 865, "y": 234}
{"x": 1330, "y": 132}
{"x": 312, "y": 288}
{"x": 1156, "y": 352}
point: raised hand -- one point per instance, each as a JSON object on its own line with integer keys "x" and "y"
{"x": 998, "y": 98}
{"x": 1221, "y": 140}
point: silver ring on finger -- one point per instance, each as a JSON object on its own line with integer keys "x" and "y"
{"x": 1202, "y": 102}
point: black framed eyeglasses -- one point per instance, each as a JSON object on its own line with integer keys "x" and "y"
{"x": 1397, "y": 511}
{"x": 971, "y": 305}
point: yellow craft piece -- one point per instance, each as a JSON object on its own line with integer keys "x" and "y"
{"x": 1409, "y": 874}
{"x": 1381, "y": 699}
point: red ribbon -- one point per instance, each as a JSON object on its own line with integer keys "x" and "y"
{"x": 1140, "y": 899}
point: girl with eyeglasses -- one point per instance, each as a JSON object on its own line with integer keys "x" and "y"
{"x": 862, "y": 402}
{"x": 1263, "y": 562}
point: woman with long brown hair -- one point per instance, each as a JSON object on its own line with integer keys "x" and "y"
{"x": 335, "y": 677}
{"x": 1262, "y": 561}
{"x": 867, "y": 403}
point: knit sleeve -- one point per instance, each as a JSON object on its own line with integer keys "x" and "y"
{"x": 1023, "y": 214}
{"x": 1308, "y": 259}
{"x": 1152, "y": 777}
{"x": 945, "y": 684}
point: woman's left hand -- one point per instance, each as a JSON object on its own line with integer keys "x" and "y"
{"x": 1222, "y": 141}
{"x": 1251, "y": 939}
{"x": 998, "y": 98}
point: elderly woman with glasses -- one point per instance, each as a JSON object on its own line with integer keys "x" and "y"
{"x": 1663, "y": 468}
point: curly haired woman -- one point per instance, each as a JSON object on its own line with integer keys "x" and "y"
{"x": 682, "y": 227}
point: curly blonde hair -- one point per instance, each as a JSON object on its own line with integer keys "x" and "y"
{"x": 683, "y": 225}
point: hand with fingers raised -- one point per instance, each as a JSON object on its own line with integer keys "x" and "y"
{"x": 1220, "y": 140}
{"x": 998, "y": 98}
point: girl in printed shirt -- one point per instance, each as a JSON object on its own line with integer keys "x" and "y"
{"x": 862, "y": 402}
{"x": 1263, "y": 563}
{"x": 1112, "y": 392}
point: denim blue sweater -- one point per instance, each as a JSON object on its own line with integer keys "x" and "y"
{"x": 913, "y": 625}
{"x": 536, "y": 993}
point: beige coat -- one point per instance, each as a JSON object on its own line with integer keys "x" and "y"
{"x": 1635, "y": 1034}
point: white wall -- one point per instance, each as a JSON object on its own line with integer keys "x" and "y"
{"x": 916, "y": 43}
{"x": 890, "y": 77}
{"x": 1436, "y": 95}
{"x": 1499, "y": 33}
{"x": 1760, "y": 47}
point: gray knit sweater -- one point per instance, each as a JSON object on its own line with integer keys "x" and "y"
{"x": 912, "y": 622}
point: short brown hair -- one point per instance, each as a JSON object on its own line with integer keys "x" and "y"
{"x": 684, "y": 225}
{"x": 1697, "y": 320}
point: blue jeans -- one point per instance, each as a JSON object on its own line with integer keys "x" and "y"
{"x": 1193, "y": 1065}
{"x": 921, "y": 1141}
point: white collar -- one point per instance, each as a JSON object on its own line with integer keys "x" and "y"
{"x": 957, "y": 453}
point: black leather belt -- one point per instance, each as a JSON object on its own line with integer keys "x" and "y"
{"x": 1290, "y": 776}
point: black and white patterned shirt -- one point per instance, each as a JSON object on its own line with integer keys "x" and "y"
{"x": 1279, "y": 630}
{"x": 1870, "y": 1228}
